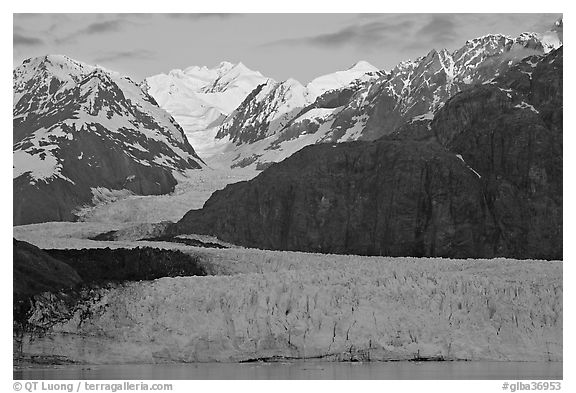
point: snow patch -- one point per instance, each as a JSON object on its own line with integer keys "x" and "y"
{"x": 468, "y": 166}
{"x": 425, "y": 117}
{"x": 525, "y": 105}
{"x": 355, "y": 131}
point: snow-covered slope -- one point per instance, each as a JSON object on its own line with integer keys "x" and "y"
{"x": 78, "y": 130}
{"x": 251, "y": 130}
{"x": 200, "y": 97}
{"x": 553, "y": 38}
{"x": 268, "y": 109}
{"x": 339, "y": 108}
{"x": 338, "y": 79}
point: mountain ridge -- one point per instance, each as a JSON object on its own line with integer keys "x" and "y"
{"x": 374, "y": 105}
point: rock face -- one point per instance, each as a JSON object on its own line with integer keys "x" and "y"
{"x": 513, "y": 139}
{"x": 386, "y": 198}
{"x": 80, "y": 132}
{"x": 103, "y": 265}
{"x": 73, "y": 271}
{"x": 486, "y": 181}
{"x": 35, "y": 271}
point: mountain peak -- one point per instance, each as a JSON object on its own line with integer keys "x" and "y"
{"x": 558, "y": 25}
{"x": 58, "y": 59}
{"x": 96, "y": 80}
{"x": 240, "y": 69}
{"x": 553, "y": 38}
{"x": 291, "y": 82}
{"x": 62, "y": 62}
{"x": 363, "y": 65}
{"x": 487, "y": 38}
{"x": 224, "y": 65}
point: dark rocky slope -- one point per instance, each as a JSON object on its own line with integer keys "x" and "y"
{"x": 35, "y": 271}
{"x": 63, "y": 282}
{"x": 485, "y": 181}
{"x": 74, "y": 273}
{"x": 103, "y": 265}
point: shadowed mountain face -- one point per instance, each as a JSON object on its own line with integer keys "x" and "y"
{"x": 79, "y": 131}
{"x": 35, "y": 271}
{"x": 482, "y": 179}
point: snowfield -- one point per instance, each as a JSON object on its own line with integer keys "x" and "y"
{"x": 269, "y": 304}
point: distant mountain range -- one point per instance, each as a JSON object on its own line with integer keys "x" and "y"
{"x": 267, "y": 121}
{"x": 202, "y": 98}
{"x": 276, "y": 120}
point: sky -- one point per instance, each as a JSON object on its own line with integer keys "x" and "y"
{"x": 281, "y": 46}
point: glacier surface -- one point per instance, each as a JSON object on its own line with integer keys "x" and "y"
{"x": 288, "y": 305}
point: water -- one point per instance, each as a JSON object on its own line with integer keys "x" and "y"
{"x": 301, "y": 370}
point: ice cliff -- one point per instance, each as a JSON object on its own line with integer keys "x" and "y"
{"x": 331, "y": 307}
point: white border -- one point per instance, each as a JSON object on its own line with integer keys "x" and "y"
{"x": 260, "y": 6}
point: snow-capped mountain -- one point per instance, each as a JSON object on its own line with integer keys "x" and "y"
{"x": 553, "y": 38}
{"x": 374, "y": 105}
{"x": 201, "y": 97}
{"x": 272, "y": 107}
{"x": 80, "y": 131}
{"x": 338, "y": 79}
{"x": 267, "y": 110}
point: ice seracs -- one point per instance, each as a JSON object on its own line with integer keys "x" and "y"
{"x": 301, "y": 306}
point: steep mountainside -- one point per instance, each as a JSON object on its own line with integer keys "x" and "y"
{"x": 375, "y": 105}
{"x": 338, "y": 79}
{"x": 482, "y": 179}
{"x": 80, "y": 132}
{"x": 265, "y": 111}
{"x": 261, "y": 129}
{"x": 201, "y": 97}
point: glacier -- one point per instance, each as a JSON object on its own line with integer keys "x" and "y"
{"x": 288, "y": 305}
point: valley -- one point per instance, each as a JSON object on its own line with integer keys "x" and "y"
{"x": 192, "y": 190}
